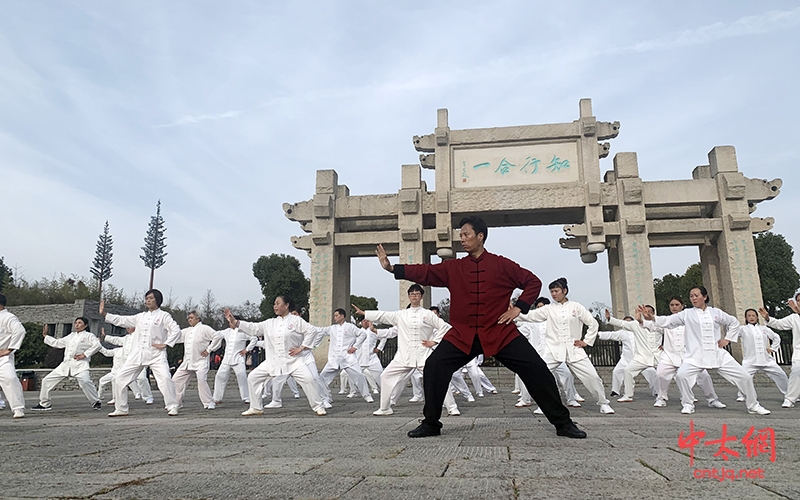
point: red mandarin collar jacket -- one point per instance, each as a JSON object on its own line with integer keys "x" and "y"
{"x": 480, "y": 290}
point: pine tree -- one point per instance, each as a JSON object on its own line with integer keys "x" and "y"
{"x": 154, "y": 243}
{"x": 101, "y": 267}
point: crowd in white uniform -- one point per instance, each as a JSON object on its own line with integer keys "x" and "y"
{"x": 684, "y": 345}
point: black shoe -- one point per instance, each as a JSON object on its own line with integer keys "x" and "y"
{"x": 41, "y": 408}
{"x": 613, "y": 393}
{"x": 97, "y": 405}
{"x": 424, "y": 430}
{"x": 570, "y": 430}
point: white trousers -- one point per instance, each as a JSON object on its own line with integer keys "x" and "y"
{"x": 224, "y": 374}
{"x": 730, "y": 369}
{"x": 458, "y": 382}
{"x": 108, "y": 378}
{"x": 129, "y": 373}
{"x": 415, "y": 376}
{"x": 564, "y": 379}
{"x": 793, "y": 392}
{"x": 372, "y": 373}
{"x": 635, "y": 368}
{"x": 485, "y": 382}
{"x": 585, "y": 371}
{"x": 773, "y": 371}
{"x": 666, "y": 370}
{"x": 277, "y": 386}
{"x": 260, "y": 376}
{"x": 618, "y": 376}
{"x": 353, "y": 372}
{"x": 181, "y": 379}
{"x": 393, "y": 376}
{"x": 10, "y": 383}
{"x": 84, "y": 382}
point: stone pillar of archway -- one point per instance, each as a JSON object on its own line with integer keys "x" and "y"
{"x": 633, "y": 246}
{"x": 738, "y": 269}
{"x": 444, "y": 184}
{"x": 326, "y": 261}
{"x": 409, "y": 218}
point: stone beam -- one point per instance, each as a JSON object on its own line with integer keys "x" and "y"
{"x": 543, "y": 196}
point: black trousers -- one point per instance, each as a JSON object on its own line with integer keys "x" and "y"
{"x": 519, "y": 356}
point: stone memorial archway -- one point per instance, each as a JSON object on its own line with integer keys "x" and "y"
{"x": 542, "y": 175}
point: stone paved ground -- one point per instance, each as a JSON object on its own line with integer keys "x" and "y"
{"x": 493, "y": 450}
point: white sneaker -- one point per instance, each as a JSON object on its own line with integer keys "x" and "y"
{"x": 19, "y": 413}
{"x": 2, "y": 405}
{"x": 758, "y": 410}
{"x": 148, "y": 401}
{"x": 624, "y": 399}
{"x": 110, "y": 402}
{"x": 538, "y": 411}
{"x": 660, "y": 403}
{"x": 252, "y": 411}
{"x": 454, "y": 412}
{"x": 135, "y": 396}
{"x": 522, "y": 404}
{"x": 351, "y": 395}
{"x": 172, "y": 411}
{"x": 515, "y": 391}
{"x": 480, "y": 394}
{"x": 374, "y": 391}
{"x": 606, "y": 410}
{"x": 415, "y": 399}
{"x": 470, "y": 399}
{"x": 274, "y": 404}
{"x": 392, "y": 402}
{"x": 379, "y": 412}
{"x": 118, "y": 413}
{"x": 687, "y": 409}
{"x": 342, "y": 392}
{"x": 369, "y": 399}
{"x": 320, "y": 411}
{"x": 296, "y": 395}
{"x": 327, "y": 404}
{"x": 573, "y": 403}
{"x": 740, "y": 399}
{"x": 579, "y": 399}
{"x": 787, "y": 404}
{"x": 212, "y": 406}
{"x": 716, "y": 403}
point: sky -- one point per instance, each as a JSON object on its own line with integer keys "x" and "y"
{"x": 225, "y": 110}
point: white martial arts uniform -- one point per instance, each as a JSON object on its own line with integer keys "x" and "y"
{"x": 535, "y": 333}
{"x": 791, "y": 322}
{"x": 75, "y": 343}
{"x": 280, "y": 335}
{"x": 479, "y": 379}
{"x": 196, "y": 339}
{"x": 342, "y": 338}
{"x": 368, "y": 359}
{"x": 142, "y": 383}
{"x": 702, "y": 351}
{"x": 673, "y": 351}
{"x": 645, "y": 355}
{"x": 12, "y": 333}
{"x": 151, "y": 327}
{"x": 413, "y": 325}
{"x": 233, "y": 359}
{"x": 565, "y": 326}
{"x": 625, "y": 338}
{"x": 756, "y": 339}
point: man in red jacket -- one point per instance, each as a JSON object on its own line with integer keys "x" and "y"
{"x": 480, "y": 287}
